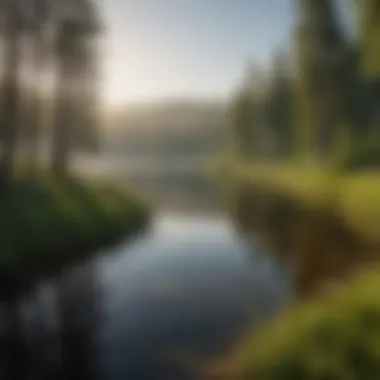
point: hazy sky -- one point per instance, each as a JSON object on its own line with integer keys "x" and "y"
{"x": 195, "y": 48}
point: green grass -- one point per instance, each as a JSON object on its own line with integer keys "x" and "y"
{"x": 356, "y": 194}
{"x": 337, "y": 338}
{"x": 48, "y": 221}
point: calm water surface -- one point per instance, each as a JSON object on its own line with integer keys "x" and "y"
{"x": 180, "y": 294}
{"x": 162, "y": 305}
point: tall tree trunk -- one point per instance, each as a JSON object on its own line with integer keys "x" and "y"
{"x": 62, "y": 131}
{"x": 35, "y": 119}
{"x": 42, "y": 14}
{"x": 87, "y": 122}
{"x": 11, "y": 94}
{"x": 322, "y": 52}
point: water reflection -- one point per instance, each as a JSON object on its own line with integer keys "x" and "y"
{"x": 78, "y": 319}
{"x": 157, "y": 308}
{"x": 51, "y": 333}
{"x": 182, "y": 296}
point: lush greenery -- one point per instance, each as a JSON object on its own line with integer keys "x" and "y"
{"x": 48, "y": 222}
{"x": 308, "y": 130}
{"x": 337, "y": 338}
{"x": 318, "y": 101}
{"x": 333, "y": 131}
{"x": 354, "y": 193}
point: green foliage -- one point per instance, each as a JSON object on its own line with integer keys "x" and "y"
{"x": 365, "y": 154}
{"x": 262, "y": 111}
{"x": 327, "y": 83}
{"x": 245, "y": 116}
{"x": 369, "y": 11}
{"x": 342, "y": 150}
{"x": 363, "y": 159}
{"x": 44, "y": 218}
{"x": 278, "y": 105}
{"x": 357, "y": 193}
{"x": 338, "y": 338}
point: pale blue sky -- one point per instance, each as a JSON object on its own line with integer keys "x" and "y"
{"x": 160, "y": 49}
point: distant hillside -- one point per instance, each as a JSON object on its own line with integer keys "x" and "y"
{"x": 170, "y": 127}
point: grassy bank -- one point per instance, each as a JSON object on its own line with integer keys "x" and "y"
{"x": 337, "y": 338}
{"x": 47, "y": 223}
{"x": 327, "y": 224}
{"x": 355, "y": 194}
{"x": 313, "y": 239}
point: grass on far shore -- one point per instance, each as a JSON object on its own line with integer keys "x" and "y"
{"x": 357, "y": 194}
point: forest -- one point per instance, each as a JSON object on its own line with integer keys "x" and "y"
{"x": 319, "y": 100}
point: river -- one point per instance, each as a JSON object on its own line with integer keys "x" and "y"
{"x": 158, "y": 307}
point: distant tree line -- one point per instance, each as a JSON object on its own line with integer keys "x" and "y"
{"x": 48, "y": 83}
{"x": 323, "y": 95}
{"x": 183, "y": 127}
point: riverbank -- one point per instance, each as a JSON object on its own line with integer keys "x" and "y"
{"x": 355, "y": 194}
{"x": 323, "y": 226}
{"x": 334, "y": 338}
{"x": 176, "y": 297}
{"x": 326, "y": 226}
{"x": 48, "y": 223}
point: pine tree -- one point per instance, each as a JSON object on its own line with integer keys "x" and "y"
{"x": 369, "y": 13}
{"x": 321, "y": 86}
{"x": 246, "y": 115}
{"x": 10, "y": 97}
{"x": 41, "y": 14}
{"x": 279, "y": 105}
{"x": 75, "y": 31}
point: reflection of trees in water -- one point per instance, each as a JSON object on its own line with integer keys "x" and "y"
{"x": 13, "y": 342}
{"x": 78, "y": 317}
{"x": 51, "y": 333}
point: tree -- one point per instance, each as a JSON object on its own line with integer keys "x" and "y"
{"x": 369, "y": 13}
{"x": 323, "y": 76}
{"x": 369, "y": 16}
{"x": 279, "y": 104}
{"x": 75, "y": 32}
{"x": 11, "y": 86}
{"x": 41, "y": 13}
{"x": 86, "y": 133}
{"x": 247, "y": 115}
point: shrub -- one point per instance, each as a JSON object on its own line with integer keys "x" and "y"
{"x": 338, "y": 338}
{"x": 45, "y": 218}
